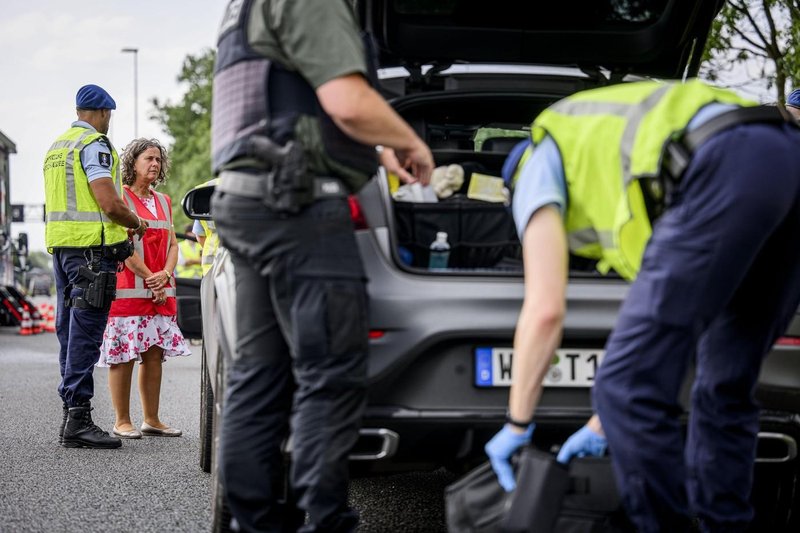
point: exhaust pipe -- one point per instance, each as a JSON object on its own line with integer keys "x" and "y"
{"x": 775, "y": 448}
{"x": 375, "y": 444}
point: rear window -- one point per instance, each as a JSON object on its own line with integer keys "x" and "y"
{"x": 562, "y": 14}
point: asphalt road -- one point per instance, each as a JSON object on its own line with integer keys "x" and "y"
{"x": 152, "y": 484}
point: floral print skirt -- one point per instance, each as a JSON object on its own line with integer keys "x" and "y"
{"x": 126, "y": 337}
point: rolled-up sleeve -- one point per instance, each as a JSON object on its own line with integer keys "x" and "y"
{"x": 541, "y": 182}
{"x": 97, "y": 160}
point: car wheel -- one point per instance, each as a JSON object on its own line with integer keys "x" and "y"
{"x": 206, "y": 415}
{"x": 220, "y": 514}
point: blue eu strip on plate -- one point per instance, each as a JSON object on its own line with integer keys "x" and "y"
{"x": 483, "y": 367}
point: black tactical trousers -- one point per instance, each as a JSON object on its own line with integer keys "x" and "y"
{"x": 300, "y": 363}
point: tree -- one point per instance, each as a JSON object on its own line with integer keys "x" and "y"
{"x": 188, "y": 122}
{"x": 39, "y": 259}
{"x": 757, "y": 39}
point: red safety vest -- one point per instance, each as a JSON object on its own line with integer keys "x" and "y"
{"x": 133, "y": 296}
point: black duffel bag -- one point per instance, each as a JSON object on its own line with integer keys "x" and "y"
{"x": 548, "y": 498}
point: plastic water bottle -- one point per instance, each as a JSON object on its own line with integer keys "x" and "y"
{"x": 440, "y": 251}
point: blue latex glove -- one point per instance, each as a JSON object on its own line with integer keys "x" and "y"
{"x": 582, "y": 443}
{"x": 501, "y": 448}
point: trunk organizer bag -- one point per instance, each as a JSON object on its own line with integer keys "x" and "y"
{"x": 480, "y": 234}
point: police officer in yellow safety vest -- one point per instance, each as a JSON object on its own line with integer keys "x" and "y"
{"x": 189, "y": 255}
{"x": 207, "y": 235}
{"x": 85, "y": 230}
{"x": 692, "y": 193}
{"x": 210, "y": 244}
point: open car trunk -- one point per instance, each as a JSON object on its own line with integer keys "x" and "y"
{"x": 476, "y": 131}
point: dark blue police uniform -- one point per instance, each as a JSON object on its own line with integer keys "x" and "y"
{"x": 719, "y": 283}
{"x": 80, "y": 326}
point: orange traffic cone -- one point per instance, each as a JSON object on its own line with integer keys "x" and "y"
{"x": 26, "y": 326}
{"x": 38, "y": 323}
{"x": 50, "y": 319}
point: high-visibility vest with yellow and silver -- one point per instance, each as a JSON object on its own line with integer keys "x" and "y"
{"x": 72, "y": 216}
{"x": 210, "y": 245}
{"x": 609, "y": 139}
{"x": 190, "y": 250}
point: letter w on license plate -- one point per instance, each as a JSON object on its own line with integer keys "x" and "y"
{"x": 569, "y": 367}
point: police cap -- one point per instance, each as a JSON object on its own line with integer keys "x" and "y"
{"x": 794, "y": 99}
{"x": 94, "y": 97}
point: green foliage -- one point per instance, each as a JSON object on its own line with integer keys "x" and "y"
{"x": 39, "y": 259}
{"x": 755, "y": 44}
{"x": 188, "y": 122}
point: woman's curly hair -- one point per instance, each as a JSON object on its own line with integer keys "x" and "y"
{"x": 134, "y": 149}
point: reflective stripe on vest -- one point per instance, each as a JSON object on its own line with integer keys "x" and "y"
{"x": 210, "y": 248}
{"x": 139, "y": 290}
{"x": 72, "y": 216}
{"x": 609, "y": 139}
{"x": 141, "y": 293}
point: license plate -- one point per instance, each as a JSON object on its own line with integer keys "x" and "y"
{"x": 569, "y": 367}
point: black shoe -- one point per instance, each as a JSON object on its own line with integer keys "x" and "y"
{"x": 80, "y": 431}
{"x": 63, "y": 423}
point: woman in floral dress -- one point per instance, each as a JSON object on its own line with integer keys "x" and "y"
{"x": 142, "y": 325}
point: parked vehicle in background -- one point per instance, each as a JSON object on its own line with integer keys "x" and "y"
{"x": 40, "y": 282}
{"x": 440, "y": 341}
{"x": 187, "y": 296}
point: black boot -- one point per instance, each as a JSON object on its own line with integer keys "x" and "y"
{"x": 65, "y": 414}
{"x": 80, "y": 431}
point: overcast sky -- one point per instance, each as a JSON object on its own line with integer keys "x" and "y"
{"x": 49, "y": 48}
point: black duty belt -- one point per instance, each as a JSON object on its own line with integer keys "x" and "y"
{"x": 679, "y": 152}
{"x": 255, "y": 185}
{"x": 658, "y": 191}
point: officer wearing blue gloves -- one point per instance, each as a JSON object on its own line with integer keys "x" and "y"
{"x": 690, "y": 192}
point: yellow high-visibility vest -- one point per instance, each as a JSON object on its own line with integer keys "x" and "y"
{"x": 210, "y": 245}
{"x": 609, "y": 140}
{"x": 72, "y": 216}
{"x": 189, "y": 250}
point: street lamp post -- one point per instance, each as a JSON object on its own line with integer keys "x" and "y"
{"x": 135, "y": 52}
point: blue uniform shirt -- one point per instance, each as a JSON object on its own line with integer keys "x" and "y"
{"x": 541, "y": 181}
{"x": 96, "y": 157}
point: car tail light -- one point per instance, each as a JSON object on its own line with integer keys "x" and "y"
{"x": 376, "y": 334}
{"x": 788, "y": 341}
{"x": 356, "y": 214}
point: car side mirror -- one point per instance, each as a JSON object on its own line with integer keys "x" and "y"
{"x": 197, "y": 203}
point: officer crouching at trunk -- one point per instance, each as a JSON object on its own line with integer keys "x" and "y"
{"x": 692, "y": 193}
{"x": 295, "y": 125}
{"x": 85, "y": 221}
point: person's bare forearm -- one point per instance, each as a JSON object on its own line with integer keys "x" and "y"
{"x": 539, "y": 327}
{"x": 136, "y": 265}
{"x": 119, "y": 213}
{"x": 536, "y": 339}
{"x": 376, "y": 123}
{"x": 364, "y": 115}
{"x": 112, "y": 205}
